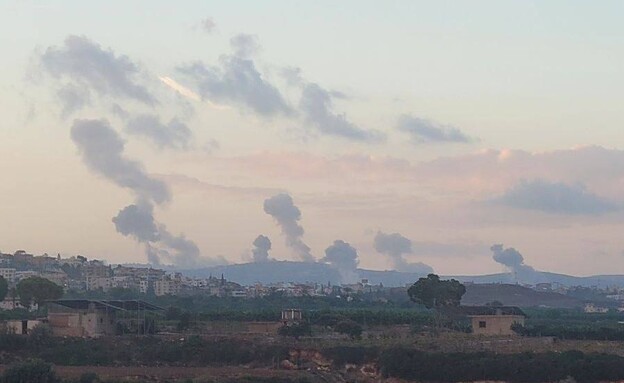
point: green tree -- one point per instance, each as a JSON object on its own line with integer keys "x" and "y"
{"x": 4, "y": 288}
{"x": 434, "y": 293}
{"x": 296, "y": 330}
{"x": 349, "y": 327}
{"x": 437, "y": 294}
{"x": 37, "y": 290}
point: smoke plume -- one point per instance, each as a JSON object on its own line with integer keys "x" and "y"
{"x": 514, "y": 261}
{"x": 343, "y": 257}
{"x": 396, "y": 246}
{"x": 102, "y": 150}
{"x": 287, "y": 215}
{"x": 260, "y": 252}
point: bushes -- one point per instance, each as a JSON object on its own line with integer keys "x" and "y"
{"x": 526, "y": 367}
{"x": 30, "y": 371}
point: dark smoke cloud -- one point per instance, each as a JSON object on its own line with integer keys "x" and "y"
{"x": 287, "y": 215}
{"x": 343, "y": 257}
{"x": 237, "y": 81}
{"x": 173, "y": 135}
{"x": 514, "y": 261}
{"x": 317, "y": 107}
{"x": 262, "y": 246}
{"x": 556, "y": 198}
{"x": 425, "y": 131}
{"x": 137, "y": 221}
{"x": 396, "y": 246}
{"x": 102, "y": 150}
{"x": 89, "y": 67}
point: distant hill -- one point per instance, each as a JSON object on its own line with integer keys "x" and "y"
{"x": 289, "y": 271}
{"x": 516, "y": 295}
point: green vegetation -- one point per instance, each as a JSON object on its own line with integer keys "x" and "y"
{"x": 296, "y": 330}
{"x": 32, "y": 370}
{"x": 37, "y": 290}
{"x": 434, "y": 293}
{"x": 4, "y": 288}
{"x": 526, "y": 367}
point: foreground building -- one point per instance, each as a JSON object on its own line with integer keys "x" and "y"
{"x": 93, "y": 318}
{"x": 487, "y": 320}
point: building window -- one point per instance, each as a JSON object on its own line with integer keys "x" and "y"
{"x": 481, "y": 324}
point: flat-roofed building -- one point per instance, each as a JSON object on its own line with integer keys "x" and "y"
{"x": 492, "y": 320}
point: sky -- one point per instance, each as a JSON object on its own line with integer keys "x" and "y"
{"x": 394, "y": 135}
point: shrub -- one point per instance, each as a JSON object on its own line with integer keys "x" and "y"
{"x": 33, "y": 370}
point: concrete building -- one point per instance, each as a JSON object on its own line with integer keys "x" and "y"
{"x": 291, "y": 315}
{"x": 22, "y": 327}
{"x": 8, "y": 274}
{"x": 93, "y": 318}
{"x": 488, "y": 320}
{"x": 166, "y": 286}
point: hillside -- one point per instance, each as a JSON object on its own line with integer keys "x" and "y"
{"x": 516, "y": 295}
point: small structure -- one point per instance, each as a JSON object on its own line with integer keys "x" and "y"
{"x": 22, "y": 326}
{"x": 493, "y": 320}
{"x": 93, "y": 318}
{"x": 291, "y": 315}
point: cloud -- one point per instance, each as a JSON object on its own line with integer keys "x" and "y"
{"x": 245, "y": 45}
{"x": 317, "y": 108}
{"x": 173, "y": 135}
{"x": 208, "y": 25}
{"x": 287, "y": 215}
{"x": 73, "y": 98}
{"x": 343, "y": 257}
{"x": 260, "y": 251}
{"x": 102, "y": 149}
{"x": 179, "y": 88}
{"x": 237, "y": 81}
{"x": 556, "y": 197}
{"x": 88, "y": 66}
{"x": 425, "y": 131}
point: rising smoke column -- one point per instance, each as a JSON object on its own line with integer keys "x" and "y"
{"x": 287, "y": 215}
{"x": 343, "y": 257}
{"x": 395, "y": 246}
{"x": 102, "y": 150}
{"x": 260, "y": 252}
{"x": 514, "y": 261}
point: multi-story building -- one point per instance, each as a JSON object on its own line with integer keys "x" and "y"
{"x": 166, "y": 286}
{"x": 8, "y": 274}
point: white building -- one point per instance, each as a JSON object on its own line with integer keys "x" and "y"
{"x": 8, "y": 274}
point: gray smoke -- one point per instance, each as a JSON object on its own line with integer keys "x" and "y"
{"x": 137, "y": 221}
{"x": 287, "y": 215}
{"x": 317, "y": 107}
{"x": 89, "y": 67}
{"x": 514, "y": 261}
{"x": 102, "y": 149}
{"x": 343, "y": 257}
{"x": 396, "y": 246}
{"x": 173, "y": 135}
{"x": 245, "y": 45}
{"x": 260, "y": 252}
{"x": 237, "y": 81}
{"x": 426, "y": 131}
